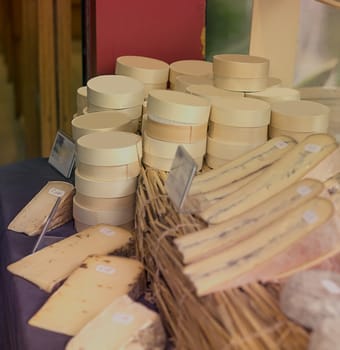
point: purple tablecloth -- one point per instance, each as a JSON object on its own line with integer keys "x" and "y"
{"x": 20, "y": 299}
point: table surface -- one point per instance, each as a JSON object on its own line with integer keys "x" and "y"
{"x": 20, "y": 299}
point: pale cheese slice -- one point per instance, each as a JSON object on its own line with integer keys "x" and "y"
{"x": 209, "y": 241}
{"x": 212, "y": 274}
{"x": 290, "y": 168}
{"x": 124, "y": 324}
{"x": 31, "y": 219}
{"x": 49, "y": 266}
{"x": 88, "y": 291}
{"x": 248, "y": 163}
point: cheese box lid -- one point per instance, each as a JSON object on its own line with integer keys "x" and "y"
{"x": 301, "y": 116}
{"x": 241, "y": 84}
{"x": 99, "y": 122}
{"x": 168, "y": 150}
{"x": 146, "y": 69}
{"x": 104, "y": 189}
{"x": 178, "y": 107}
{"x": 274, "y": 94}
{"x": 183, "y": 81}
{"x": 165, "y": 164}
{"x": 242, "y": 112}
{"x": 228, "y": 150}
{"x": 115, "y": 91}
{"x": 240, "y": 66}
{"x": 208, "y": 91}
{"x": 190, "y": 67}
{"x": 116, "y": 216}
{"x": 109, "y": 148}
{"x": 81, "y": 99}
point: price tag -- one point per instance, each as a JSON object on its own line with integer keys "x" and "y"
{"x": 312, "y": 148}
{"x": 56, "y": 192}
{"x": 107, "y": 231}
{"x": 178, "y": 182}
{"x": 303, "y": 190}
{"x": 122, "y": 318}
{"x": 331, "y": 286}
{"x": 281, "y": 144}
{"x": 105, "y": 269}
{"x": 310, "y": 217}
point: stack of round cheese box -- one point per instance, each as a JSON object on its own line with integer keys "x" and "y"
{"x": 298, "y": 119}
{"x": 153, "y": 73}
{"x": 116, "y": 93}
{"x": 108, "y": 165}
{"x": 236, "y": 126}
{"x": 174, "y": 118}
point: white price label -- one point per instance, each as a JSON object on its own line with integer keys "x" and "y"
{"x": 310, "y": 217}
{"x": 303, "y": 190}
{"x": 105, "y": 269}
{"x": 281, "y": 144}
{"x": 331, "y": 286}
{"x": 122, "y": 318}
{"x": 56, "y": 192}
{"x": 312, "y": 148}
{"x": 107, "y": 231}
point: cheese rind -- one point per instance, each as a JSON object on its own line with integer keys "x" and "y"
{"x": 87, "y": 291}
{"x": 241, "y": 84}
{"x": 189, "y": 67}
{"x": 49, "y": 266}
{"x": 31, "y": 219}
{"x": 121, "y": 325}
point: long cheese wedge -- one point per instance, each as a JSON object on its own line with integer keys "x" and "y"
{"x": 244, "y": 165}
{"x": 124, "y": 324}
{"x": 216, "y": 238}
{"x": 32, "y": 217}
{"x": 89, "y": 289}
{"x": 49, "y": 266}
{"x": 210, "y": 275}
{"x": 293, "y": 166}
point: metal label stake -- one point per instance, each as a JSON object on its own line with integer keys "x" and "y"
{"x": 47, "y": 223}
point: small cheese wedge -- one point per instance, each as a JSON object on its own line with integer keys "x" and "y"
{"x": 246, "y": 164}
{"x": 51, "y": 265}
{"x": 124, "y": 324}
{"x": 290, "y": 168}
{"x": 212, "y": 274}
{"x": 209, "y": 241}
{"x": 31, "y": 219}
{"x": 88, "y": 291}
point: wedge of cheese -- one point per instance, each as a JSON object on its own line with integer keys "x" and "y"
{"x": 311, "y": 296}
{"x": 124, "y": 324}
{"x": 32, "y": 217}
{"x": 290, "y": 168}
{"x": 212, "y": 274}
{"x": 49, "y": 266}
{"x": 88, "y": 291}
{"x": 246, "y": 164}
{"x": 209, "y": 241}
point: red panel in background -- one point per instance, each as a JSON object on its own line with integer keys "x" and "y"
{"x": 169, "y": 30}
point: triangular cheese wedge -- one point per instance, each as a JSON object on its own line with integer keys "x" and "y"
{"x": 52, "y": 264}
{"x": 124, "y": 324}
{"x": 88, "y": 291}
{"x": 32, "y": 217}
